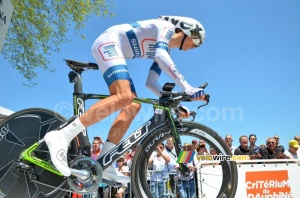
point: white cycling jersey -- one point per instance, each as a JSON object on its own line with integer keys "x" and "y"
{"x": 141, "y": 39}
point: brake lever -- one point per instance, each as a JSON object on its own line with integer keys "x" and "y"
{"x": 193, "y": 115}
{"x": 207, "y": 97}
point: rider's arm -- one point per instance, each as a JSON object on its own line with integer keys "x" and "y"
{"x": 165, "y": 62}
{"x": 152, "y": 79}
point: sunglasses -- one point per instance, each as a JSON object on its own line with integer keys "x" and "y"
{"x": 271, "y": 143}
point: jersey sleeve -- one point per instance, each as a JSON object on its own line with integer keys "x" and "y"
{"x": 162, "y": 56}
{"x": 152, "y": 79}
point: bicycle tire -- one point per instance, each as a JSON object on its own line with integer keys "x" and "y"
{"x": 190, "y": 129}
{"x": 22, "y": 129}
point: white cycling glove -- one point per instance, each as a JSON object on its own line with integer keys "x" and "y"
{"x": 184, "y": 109}
{"x": 194, "y": 92}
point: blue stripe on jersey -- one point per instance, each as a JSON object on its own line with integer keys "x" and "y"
{"x": 117, "y": 72}
{"x": 162, "y": 45}
{"x": 156, "y": 68}
{"x": 134, "y": 24}
{"x": 134, "y": 43}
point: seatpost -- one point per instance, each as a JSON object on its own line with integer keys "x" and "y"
{"x": 75, "y": 77}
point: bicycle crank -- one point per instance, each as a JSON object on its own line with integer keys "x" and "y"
{"x": 86, "y": 175}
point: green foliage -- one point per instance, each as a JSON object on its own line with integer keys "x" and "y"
{"x": 38, "y": 27}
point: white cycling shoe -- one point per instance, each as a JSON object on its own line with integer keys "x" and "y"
{"x": 58, "y": 142}
{"x": 58, "y": 148}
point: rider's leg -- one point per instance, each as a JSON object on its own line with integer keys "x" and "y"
{"x": 58, "y": 141}
{"x": 120, "y": 126}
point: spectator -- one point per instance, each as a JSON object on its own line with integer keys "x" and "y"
{"x": 272, "y": 152}
{"x": 170, "y": 149}
{"x": 292, "y": 152}
{"x": 212, "y": 151}
{"x": 96, "y": 150}
{"x": 252, "y": 140}
{"x": 130, "y": 157}
{"x": 194, "y": 144}
{"x": 228, "y": 141}
{"x": 297, "y": 138}
{"x": 159, "y": 161}
{"x": 201, "y": 149}
{"x": 262, "y": 146}
{"x": 186, "y": 183}
{"x": 243, "y": 149}
{"x": 123, "y": 170}
{"x": 276, "y": 137}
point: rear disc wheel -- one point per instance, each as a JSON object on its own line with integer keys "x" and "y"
{"x": 19, "y": 131}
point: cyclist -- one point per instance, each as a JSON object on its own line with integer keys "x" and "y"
{"x": 142, "y": 39}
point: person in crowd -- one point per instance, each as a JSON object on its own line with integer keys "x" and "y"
{"x": 130, "y": 157}
{"x": 96, "y": 149}
{"x": 194, "y": 144}
{"x": 201, "y": 151}
{"x": 201, "y": 148}
{"x": 158, "y": 161}
{"x": 276, "y": 137}
{"x": 124, "y": 170}
{"x": 272, "y": 152}
{"x": 292, "y": 152}
{"x": 212, "y": 151}
{"x": 243, "y": 149}
{"x": 253, "y": 146}
{"x": 186, "y": 181}
{"x": 170, "y": 149}
{"x": 262, "y": 146}
{"x": 228, "y": 141}
{"x": 297, "y": 138}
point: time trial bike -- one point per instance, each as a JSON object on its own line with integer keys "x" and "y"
{"x": 25, "y": 166}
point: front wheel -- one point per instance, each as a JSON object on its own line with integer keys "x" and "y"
{"x": 217, "y": 179}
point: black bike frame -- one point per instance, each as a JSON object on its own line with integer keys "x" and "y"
{"x": 162, "y": 115}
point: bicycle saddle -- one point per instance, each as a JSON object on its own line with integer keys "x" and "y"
{"x": 81, "y": 66}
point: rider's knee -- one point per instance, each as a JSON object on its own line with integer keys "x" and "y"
{"x": 126, "y": 98}
{"x": 136, "y": 107}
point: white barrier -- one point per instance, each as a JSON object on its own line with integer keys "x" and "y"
{"x": 264, "y": 179}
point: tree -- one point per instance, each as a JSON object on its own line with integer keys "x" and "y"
{"x": 38, "y": 27}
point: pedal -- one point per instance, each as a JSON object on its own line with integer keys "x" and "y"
{"x": 86, "y": 175}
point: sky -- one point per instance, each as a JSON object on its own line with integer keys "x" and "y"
{"x": 250, "y": 60}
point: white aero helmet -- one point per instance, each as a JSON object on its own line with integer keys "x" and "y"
{"x": 191, "y": 27}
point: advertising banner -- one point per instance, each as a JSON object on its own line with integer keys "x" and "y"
{"x": 278, "y": 180}
{"x": 6, "y": 10}
{"x": 255, "y": 180}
